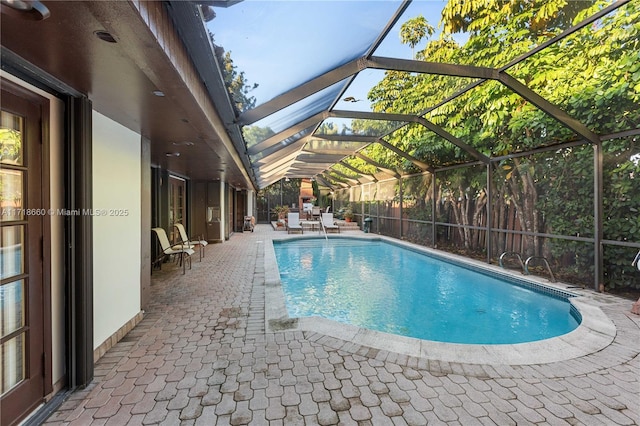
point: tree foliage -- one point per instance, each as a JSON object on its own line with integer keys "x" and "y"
{"x": 237, "y": 85}
{"x": 593, "y": 75}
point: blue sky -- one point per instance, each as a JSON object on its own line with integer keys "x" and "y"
{"x": 282, "y": 44}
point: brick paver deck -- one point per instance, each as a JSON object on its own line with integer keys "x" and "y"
{"x": 201, "y": 356}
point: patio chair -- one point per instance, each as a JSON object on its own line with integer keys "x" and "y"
{"x": 183, "y": 251}
{"x": 192, "y": 243}
{"x": 328, "y": 223}
{"x": 293, "y": 223}
{"x": 315, "y": 212}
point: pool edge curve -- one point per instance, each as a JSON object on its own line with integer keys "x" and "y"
{"x": 595, "y": 332}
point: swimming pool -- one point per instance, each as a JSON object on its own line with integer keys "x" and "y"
{"x": 382, "y": 286}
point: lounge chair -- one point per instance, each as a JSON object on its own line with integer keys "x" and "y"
{"x": 191, "y": 243}
{"x": 293, "y": 223}
{"x": 328, "y": 223}
{"x": 183, "y": 251}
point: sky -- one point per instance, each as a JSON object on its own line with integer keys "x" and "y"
{"x": 282, "y": 44}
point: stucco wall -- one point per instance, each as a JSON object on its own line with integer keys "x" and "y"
{"x": 116, "y": 226}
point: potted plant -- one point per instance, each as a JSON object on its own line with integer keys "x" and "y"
{"x": 348, "y": 215}
{"x": 281, "y": 212}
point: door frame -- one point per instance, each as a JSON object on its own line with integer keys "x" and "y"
{"x": 77, "y": 263}
{"x": 45, "y": 244}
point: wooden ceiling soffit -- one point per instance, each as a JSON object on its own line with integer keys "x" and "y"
{"x": 161, "y": 26}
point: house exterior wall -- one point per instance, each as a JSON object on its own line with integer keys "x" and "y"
{"x": 116, "y": 229}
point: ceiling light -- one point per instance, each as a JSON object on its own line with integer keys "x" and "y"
{"x": 28, "y": 9}
{"x": 183, "y": 143}
{"x": 158, "y": 93}
{"x": 172, "y": 154}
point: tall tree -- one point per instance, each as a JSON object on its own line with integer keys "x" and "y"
{"x": 237, "y": 85}
{"x": 594, "y": 75}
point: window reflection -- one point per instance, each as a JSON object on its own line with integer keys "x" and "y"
{"x": 10, "y": 138}
{"x": 11, "y": 194}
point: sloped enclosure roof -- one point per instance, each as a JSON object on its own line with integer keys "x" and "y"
{"x": 312, "y": 73}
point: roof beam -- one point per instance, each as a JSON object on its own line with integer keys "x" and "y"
{"x": 266, "y": 182}
{"x": 291, "y": 131}
{"x": 272, "y": 165}
{"x": 343, "y": 175}
{"x": 353, "y": 180}
{"x": 454, "y": 140}
{"x": 350, "y": 68}
{"x": 424, "y": 67}
{"x": 542, "y": 46}
{"x": 306, "y": 89}
{"x": 360, "y": 172}
{"x": 420, "y": 164}
{"x": 285, "y": 150}
{"x": 324, "y": 182}
{"x": 390, "y": 24}
{"x": 348, "y": 138}
{"x": 546, "y": 106}
{"x": 343, "y": 152}
{"x": 333, "y": 180}
{"x": 321, "y": 158}
{"x": 580, "y": 25}
{"x": 363, "y": 115}
{"x": 388, "y": 171}
{"x": 281, "y": 168}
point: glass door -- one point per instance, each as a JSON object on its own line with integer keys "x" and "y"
{"x": 21, "y": 291}
{"x": 177, "y": 205}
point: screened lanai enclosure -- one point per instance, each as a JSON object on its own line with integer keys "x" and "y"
{"x": 502, "y": 130}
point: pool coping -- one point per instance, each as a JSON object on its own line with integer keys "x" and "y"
{"x": 595, "y": 332}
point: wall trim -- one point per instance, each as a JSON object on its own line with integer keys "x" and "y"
{"x": 117, "y": 336}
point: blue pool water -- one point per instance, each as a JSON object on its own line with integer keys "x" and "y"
{"x": 384, "y": 287}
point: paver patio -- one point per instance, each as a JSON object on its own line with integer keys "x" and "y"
{"x": 201, "y": 356}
